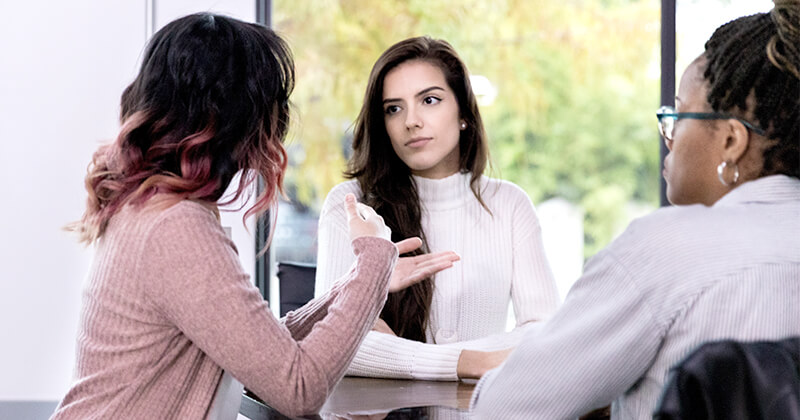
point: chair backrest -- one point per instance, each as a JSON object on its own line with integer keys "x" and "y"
{"x": 296, "y": 285}
{"x": 735, "y": 380}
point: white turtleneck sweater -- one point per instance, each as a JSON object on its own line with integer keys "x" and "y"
{"x": 502, "y": 261}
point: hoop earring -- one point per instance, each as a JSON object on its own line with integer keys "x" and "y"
{"x": 721, "y": 171}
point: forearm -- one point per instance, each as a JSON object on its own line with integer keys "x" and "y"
{"x": 294, "y": 376}
{"x": 353, "y": 306}
{"x": 300, "y": 321}
{"x": 387, "y": 356}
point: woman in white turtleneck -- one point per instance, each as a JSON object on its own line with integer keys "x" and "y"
{"x": 419, "y": 155}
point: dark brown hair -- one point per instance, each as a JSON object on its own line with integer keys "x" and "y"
{"x": 386, "y": 182}
{"x": 759, "y": 55}
{"x": 210, "y": 100}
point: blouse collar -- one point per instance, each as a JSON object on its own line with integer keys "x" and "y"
{"x": 769, "y": 189}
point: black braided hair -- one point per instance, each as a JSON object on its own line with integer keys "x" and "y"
{"x": 759, "y": 55}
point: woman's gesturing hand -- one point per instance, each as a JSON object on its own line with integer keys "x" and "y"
{"x": 363, "y": 220}
{"x": 410, "y": 270}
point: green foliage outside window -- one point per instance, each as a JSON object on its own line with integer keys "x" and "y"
{"x": 577, "y": 85}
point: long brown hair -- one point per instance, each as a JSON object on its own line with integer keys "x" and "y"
{"x": 386, "y": 182}
{"x": 210, "y": 100}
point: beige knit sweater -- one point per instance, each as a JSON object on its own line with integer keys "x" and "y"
{"x": 167, "y": 306}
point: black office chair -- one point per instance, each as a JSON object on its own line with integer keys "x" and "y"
{"x": 296, "y": 285}
{"x": 734, "y": 380}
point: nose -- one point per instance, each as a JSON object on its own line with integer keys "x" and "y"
{"x": 413, "y": 119}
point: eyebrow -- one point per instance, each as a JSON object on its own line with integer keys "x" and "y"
{"x": 420, "y": 93}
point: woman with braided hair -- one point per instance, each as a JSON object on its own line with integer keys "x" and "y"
{"x": 724, "y": 263}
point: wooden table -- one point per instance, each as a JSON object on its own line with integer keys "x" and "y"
{"x": 367, "y": 398}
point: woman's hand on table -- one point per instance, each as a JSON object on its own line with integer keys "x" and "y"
{"x": 373, "y": 416}
{"x": 472, "y": 364}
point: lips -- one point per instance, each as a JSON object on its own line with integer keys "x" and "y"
{"x": 418, "y": 142}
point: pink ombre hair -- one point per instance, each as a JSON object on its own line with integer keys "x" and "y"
{"x": 210, "y": 101}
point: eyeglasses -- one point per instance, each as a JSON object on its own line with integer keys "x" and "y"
{"x": 667, "y": 116}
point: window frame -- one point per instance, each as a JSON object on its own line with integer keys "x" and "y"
{"x": 668, "y": 56}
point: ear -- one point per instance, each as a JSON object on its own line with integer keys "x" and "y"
{"x": 737, "y": 140}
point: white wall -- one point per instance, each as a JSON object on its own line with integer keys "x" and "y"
{"x": 696, "y": 21}
{"x": 63, "y": 66}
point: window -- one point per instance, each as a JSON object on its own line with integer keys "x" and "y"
{"x": 567, "y": 93}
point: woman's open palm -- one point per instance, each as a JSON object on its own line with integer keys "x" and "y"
{"x": 410, "y": 270}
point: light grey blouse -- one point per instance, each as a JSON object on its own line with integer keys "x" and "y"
{"x": 674, "y": 279}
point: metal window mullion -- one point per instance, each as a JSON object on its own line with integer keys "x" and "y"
{"x": 263, "y": 261}
{"x": 668, "y": 9}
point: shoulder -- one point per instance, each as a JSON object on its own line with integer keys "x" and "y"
{"x": 166, "y": 219}
{"x": 337, "y": 193}
{"x": 161, "y": 210}
{"x": 190, "y": 213}
{"x": 500, "y": 189}
{"x": 500, "y": 194}
{"x": 678, "y": 234}
{"x": 334, "y": 201}
{"x": 673, "y": 222}
{"x": 675, "y": 253}
{"x": 165, "y": 225}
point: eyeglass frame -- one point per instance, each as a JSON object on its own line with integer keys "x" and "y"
{"x": 669, "y": 112}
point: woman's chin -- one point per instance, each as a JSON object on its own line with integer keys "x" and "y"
{"x": 674, "y": 197}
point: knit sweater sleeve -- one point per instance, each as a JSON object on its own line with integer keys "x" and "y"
{"x": 194, "y": 279}
{"x": 534, "y": 294}
{"x": 334, "y": 255}
{"x": 380, "y": 355}
{"x": 387, "y": 356}
{"x": 301, "y": 321}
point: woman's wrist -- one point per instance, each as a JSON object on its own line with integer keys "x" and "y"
{"x": 472, "y": 364}
{"x": 469, "y": 364}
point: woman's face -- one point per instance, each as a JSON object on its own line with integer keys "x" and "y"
{"x": 694, "y": 153}
{"x": 422, "y": 119}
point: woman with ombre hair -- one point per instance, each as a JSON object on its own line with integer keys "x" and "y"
{"x": 167, "y": 306}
